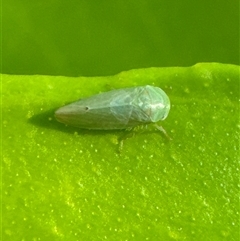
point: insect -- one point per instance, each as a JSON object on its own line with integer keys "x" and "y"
{"x": 117, "y": 109}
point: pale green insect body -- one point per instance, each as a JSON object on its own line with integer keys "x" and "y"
{"x": 117, "y": 109}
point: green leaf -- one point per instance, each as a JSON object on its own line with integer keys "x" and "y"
{"x": 63, "y": 183}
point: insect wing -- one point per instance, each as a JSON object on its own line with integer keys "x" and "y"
{"x": 140, "y": 99}
{"x": 109, "y": 110}
{"x": 121, "y": 106}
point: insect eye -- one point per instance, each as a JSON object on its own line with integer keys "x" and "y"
{"x": 86, "y": 108}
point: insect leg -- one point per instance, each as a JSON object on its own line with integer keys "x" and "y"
{"x": 128, "y": 134}
{"x": 160, "y": 128}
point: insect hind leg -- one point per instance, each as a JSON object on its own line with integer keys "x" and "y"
{"x": 129, "y": 133}
{"x": 160, "y": 128}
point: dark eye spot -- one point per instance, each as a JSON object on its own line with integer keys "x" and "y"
{"x": 86, "y": 108}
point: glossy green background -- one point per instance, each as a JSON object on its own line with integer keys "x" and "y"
{"x": 82, "y": 38}
{"x": 61, "y": 183}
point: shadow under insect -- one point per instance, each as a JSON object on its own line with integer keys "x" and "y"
{"x": 47, "y": 120}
